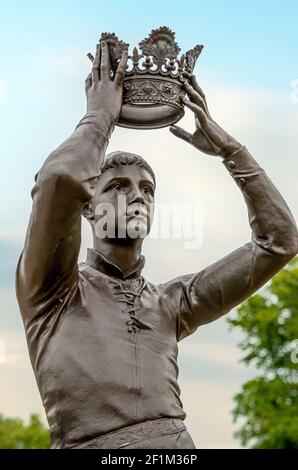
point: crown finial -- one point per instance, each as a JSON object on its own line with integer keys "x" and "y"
{"x": 160, "y": 45}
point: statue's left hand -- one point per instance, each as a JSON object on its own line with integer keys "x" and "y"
{"x": 208, "y": 137}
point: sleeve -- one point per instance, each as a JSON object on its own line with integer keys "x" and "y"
{"x": 205, "y": 296}
{"x": 48, "y": 265}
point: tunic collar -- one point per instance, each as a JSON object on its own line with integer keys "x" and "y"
{"x": 98, "y": 261}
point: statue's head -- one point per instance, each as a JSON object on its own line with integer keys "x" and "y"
{"x": 123, "y": 204}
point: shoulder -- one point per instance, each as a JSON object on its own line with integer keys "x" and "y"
{"x": 173, "y": 288}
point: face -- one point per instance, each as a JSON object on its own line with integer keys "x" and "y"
{"x": 124, "y": 203}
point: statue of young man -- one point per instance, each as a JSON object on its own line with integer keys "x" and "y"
{"x": 103, "y": 340}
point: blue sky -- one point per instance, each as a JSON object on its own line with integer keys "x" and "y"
{"x": 246, "y": 70}
{"x": 250, "y": 39}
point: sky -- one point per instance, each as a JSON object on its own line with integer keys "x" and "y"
{"x": 249, "y": 72}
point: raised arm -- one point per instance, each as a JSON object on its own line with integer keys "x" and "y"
{"x": 47, "y": 268}
{"x": 205, "y": 296}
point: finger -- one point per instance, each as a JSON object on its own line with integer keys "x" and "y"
{"x": 198, "y": 89}
{"x": 199, "y": 112}
{"x": 196, "y": 86}
{"x": 105, "y": 62}
{"x": 201, "y": 140}
{"x": 181, "y": 133}
{"x": 95, "y": 66}
{"x": 186, "y": 75}
{"x": 88, "y": 83}
{"x": 195, "y": 96}
{"x": 120, "y": 74}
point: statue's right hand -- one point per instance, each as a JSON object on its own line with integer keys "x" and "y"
{"x": 208, "y": 137}
{"x": 101, "y": 91}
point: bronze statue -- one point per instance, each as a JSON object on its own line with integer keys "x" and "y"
{"x": 102, "y": 339}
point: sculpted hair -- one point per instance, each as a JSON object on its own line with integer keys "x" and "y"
{"x": 120, "y": 158}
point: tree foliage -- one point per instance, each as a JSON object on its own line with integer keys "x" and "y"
{"x": 14, "y": 434}
{"x": 268, "y": 404}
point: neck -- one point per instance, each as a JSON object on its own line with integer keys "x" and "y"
{"x": 124, "y": 254}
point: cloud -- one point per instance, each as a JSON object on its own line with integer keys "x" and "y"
{"x": 14, "y": 347}
{"x": 217, "y": 352}
{"x": 208, "y": 408}
{"x": 9, "y": 254}
{"x": 16, "y": 375}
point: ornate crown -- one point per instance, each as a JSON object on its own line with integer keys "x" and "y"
{"x": 153, "y": 80}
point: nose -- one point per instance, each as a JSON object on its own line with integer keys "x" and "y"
{"x": 136, "y": 194}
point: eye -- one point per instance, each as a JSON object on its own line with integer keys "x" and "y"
{"x": 147, "y": 191}
{"x": 119, "y": 187}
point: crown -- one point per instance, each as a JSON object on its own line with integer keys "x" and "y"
{"x": 153, "y": 83}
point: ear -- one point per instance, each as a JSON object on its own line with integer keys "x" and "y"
{"x": 88, "y": 211}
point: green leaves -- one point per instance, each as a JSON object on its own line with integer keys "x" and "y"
{"x": 14, "y": 434}
{"x": 271, "y": 409}
{"x": 269, "y": 403}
